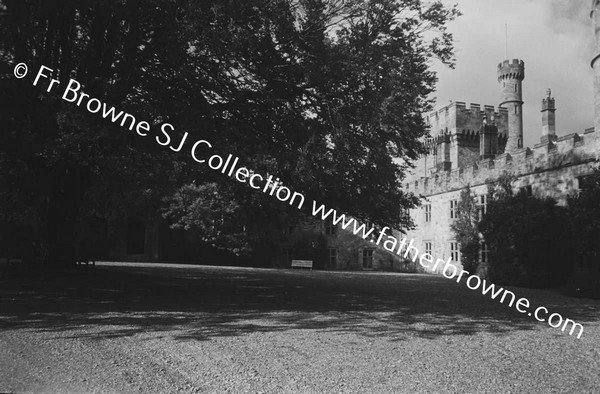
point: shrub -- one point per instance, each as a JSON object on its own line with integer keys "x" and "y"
{"x": 465, "y": 230}
{"x": 528, "y": 239}
{"x": 584, "y": 222}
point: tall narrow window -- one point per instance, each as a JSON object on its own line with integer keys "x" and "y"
{"x": 428, "y": 213}
{"x": 484, "y": 253}
{"x": 367, "y": 258}
{"x": 454, "y": 251}
{"x": 429, "y": 247}
{"x": 330, "y": 228}
{"x": 332, "y": 256}
{"x": 453, "y": 209}
{"x": 481, "y": 206}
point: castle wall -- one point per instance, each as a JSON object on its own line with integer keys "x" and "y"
{"x": 457, "y": 118}
{"x": 462, "y": 125}
{"x": 468, "y": 152}
{"x": 437, "y": 231}
{"x": 551, "y": 169}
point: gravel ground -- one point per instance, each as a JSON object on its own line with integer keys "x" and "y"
{"x": 154, "y": 328}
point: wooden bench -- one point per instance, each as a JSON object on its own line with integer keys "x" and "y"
{"x": 302, "y": 264}
{"x": 8, "y": 261}
{"x": 85, "y": 262}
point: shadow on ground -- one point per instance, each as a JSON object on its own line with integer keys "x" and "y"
{"x": 197, "y": 303}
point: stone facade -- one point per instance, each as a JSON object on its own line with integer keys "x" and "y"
{"x": 552, "y": 168}
{"x": 473, "y": 146}
{"x": 344, "y": 250}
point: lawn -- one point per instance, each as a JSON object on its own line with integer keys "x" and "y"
{"x": 181, "y": 328}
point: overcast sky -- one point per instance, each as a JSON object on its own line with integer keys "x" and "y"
{"x": 553, "y": 37}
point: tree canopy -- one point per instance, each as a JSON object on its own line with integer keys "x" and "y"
{"x": 325, "y": 94}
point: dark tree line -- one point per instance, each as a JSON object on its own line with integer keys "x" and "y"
{"x": 532, "y": 241}
{"x": 326, "y": 95}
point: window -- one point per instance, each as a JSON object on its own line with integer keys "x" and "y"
{"x": 332, "y": 256}
{"x": 330, "y": 228}
{"x": 367, "y": 258}
{"x": 428, "y": 213}
{"x": 404, "y": 215}
{"x": 585, "y": 182}
{"x": 289, "y": 227}
{"x": 453, "y": 209}
{"x": 429, "y": 247}
{"x": 519, "y": 143}
{"x": 527, "y": 190}
{"x": 484, "y": 253}
{"x": 454, "y": 251}
{"x": 481, "y": 205}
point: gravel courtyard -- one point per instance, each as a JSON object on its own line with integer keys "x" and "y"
{"x": 155, "y": 328}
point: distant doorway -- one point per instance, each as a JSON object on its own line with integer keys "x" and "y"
{"x": 367, "y": 258}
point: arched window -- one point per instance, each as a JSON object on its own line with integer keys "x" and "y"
{"x": 519, "y": 143}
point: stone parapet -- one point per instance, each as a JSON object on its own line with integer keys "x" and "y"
{"x": 457, "y": 118}
{"x": 567, "y": 150}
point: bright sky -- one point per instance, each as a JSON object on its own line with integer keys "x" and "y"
{"x": 553, "y": 37}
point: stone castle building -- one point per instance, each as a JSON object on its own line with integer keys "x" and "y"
{"x": 473, "y": 146}
{"x": 468, "y": 146}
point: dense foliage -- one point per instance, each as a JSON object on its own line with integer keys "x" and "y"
{"x": 465, "y": 229}
{"x": 584, "y": 214}
{"x": 528, "y": 238}
{"x": 326, "y": 95}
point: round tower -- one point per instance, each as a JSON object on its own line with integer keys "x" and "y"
{"x": 510, "y": 75}
{"x": 595, "y": 15}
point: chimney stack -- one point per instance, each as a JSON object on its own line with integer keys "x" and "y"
{"x": 548, "y": 118}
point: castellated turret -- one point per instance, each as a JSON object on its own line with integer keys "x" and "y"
{"x": 510, "y": 76}
{"x": 595, "y": 15}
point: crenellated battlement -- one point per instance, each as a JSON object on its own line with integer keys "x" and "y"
{"x": 568, "y": 150}
{"x": 511, "y": 69}
{"x": 461, "y": 106}
{"x": 458, "y": 118}
{"x": 511, "y": 63}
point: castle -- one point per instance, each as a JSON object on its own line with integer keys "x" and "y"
{"x": 468, "y": 146}
{"x": 474, "y": 146}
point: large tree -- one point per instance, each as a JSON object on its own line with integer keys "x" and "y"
{"x": 327, "y": 95}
